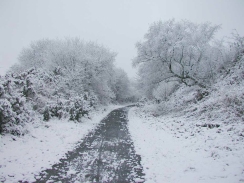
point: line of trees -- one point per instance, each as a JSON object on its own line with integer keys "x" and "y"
{"x": 70, "y": 77}
{"x": 84, "y": 67}
{"x": 60, "y": 78}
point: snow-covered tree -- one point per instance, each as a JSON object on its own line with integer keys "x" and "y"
{"x": 59, "y": 78}
{"x": 121, "y": 86}
{"x": 175, "y": 51}
{"x": 84, "y": 67}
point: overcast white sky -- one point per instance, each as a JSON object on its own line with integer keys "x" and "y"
{"x": 117, "y": 24}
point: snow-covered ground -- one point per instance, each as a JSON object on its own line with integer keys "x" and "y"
{"x": 195, "y": 135}
{"x": 23, "y": 158}
{"x": 176, "y": 149}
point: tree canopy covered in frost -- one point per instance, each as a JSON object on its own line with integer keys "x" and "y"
{"x": 60, "y": 78}
{"x": 175, "y": 53}
{"x": 120, "y": 87}
{"x": 83, "y": 67}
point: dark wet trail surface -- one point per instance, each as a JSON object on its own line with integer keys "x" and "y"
{"x": 106, "y": 155}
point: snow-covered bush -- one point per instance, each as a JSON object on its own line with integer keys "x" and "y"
{"x": 35, "y": 92}
{"x": 13, "y": 110}
{"x": 164, "y": 90}
{"x": 21, "y": 95}
{"x": 79, "y": 107}
{"x": 226, "y": 96}
{"x": 55, "y": 110}
{"x": 178, "y": 101}
{"x": 74, "y": 107}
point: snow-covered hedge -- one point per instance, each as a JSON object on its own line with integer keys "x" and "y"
{"x": 35, "y": 93}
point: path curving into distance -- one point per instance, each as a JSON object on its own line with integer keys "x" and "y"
{"x": 106, "y": 155}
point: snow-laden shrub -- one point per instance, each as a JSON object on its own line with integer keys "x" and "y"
{"x": 13, "y": 111}
{"x": 22, "y": 94}
{"x": 78, "y": 108}
{"x": 46, "y": 114}
{"x": 178, "y": 101}
{"x": 226, "y": 96}
{"x": 81, "y": 106}
{"x": 74, "y": 107}
{"x": 54, "y": 110}
{"x": 236, "y": 103}
{"x": 38, "y": 88}
{"x": 53, "y": 98}
{"x": 164, "y": 90}
{"x": 35, "y": 92}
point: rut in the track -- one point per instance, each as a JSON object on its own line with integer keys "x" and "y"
{"x": 106, "y": 155}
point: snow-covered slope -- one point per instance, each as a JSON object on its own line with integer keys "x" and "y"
{"x": 191, "y": 139}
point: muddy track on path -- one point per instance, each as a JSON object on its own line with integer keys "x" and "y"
{"x": 106, "y": 155}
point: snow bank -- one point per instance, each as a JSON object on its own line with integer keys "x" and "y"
{"x": 177, "y": 149}
{"x": 22, "y": 158}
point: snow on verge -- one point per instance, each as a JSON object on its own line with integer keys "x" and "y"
{"x": 175, "y": 149}
{"x": 22, "y": 158}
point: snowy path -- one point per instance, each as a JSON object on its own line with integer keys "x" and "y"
{"x": 105, "y": 155}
